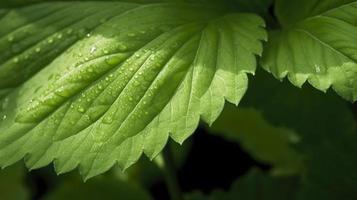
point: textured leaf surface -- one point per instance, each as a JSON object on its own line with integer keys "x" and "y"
{"x": 100, "y": 87}
{"x": 318, "y": 45}
{"x": 327, "y": 131}
{"x": 265, "y": 142}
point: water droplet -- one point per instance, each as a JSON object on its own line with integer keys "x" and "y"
{"x": 80, "y": 109}
{"x": 4, "y": 117}
{"x": 93, "y": 49}
{"x": 59, "y": 36}
{"x": 50, "y": 41}
{"x": 122, "y": 47}
{"x": 114, "y": 60}
{"x": 10, "y": 38}
{"x": 16, "y": 60}
{"x": 88, "y": 35}
{"x": 38, "y": 49}
{"x": 317, "y": 69}
{"x": 108, "y": 120}
{"x": 131, "y": 34}
{"x": 69, "y": 31}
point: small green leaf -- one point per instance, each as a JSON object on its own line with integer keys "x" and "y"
{"x": 102, "y": 86}
{"x": 317, "y": 44}
{"x": 265, "y": 142}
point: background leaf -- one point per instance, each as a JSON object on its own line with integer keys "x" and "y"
{"x": 255, "y": 185}
{"x": 265, "y": 142}
{"x": 12, "y": 185}
{"x": 317, "y": 45}
{"x": 104, "y": 187}
{"x": 326, "y": 128}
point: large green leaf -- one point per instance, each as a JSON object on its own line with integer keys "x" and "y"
{"x": 265, "y": 142}
{"x": 101, "y": 86}
{"x": 316, "y": 44}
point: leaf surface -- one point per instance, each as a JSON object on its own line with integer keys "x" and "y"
{"x": 317, "y": 45}
{"x": 104, "y": 85}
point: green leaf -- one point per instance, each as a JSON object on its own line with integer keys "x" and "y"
{"x": 102, "y": 86}
{"x": 12, "y": 184}
{"x": 316, "y": 44}
{"x": 287, "y": 13}
{"x": 254, "y": 186}
{"x": 99, "y": 188}
{"x": 265, "y": 142}
{"x": 327, "y": 130}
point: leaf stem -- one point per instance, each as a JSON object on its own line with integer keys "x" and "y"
{"x": 170, "y": 174}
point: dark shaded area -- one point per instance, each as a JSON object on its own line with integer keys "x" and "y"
{"x": 214, "y": 163}
{"x": 41, "y": 181}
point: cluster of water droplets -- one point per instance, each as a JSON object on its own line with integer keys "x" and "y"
{"x": 4, "y": 103}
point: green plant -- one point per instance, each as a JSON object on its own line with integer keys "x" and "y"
{"x": 91, "y": 84}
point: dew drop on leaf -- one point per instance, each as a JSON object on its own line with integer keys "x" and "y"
{"x": 108, "y": 120}
{"x": 93, "y": 49}
{"x": 69, "y": 31}
{"x": 10, "y": 38}
{"x": 81, "y": 109}
{"x": 59, "y": 36}
{"x": 16, "y": 60}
